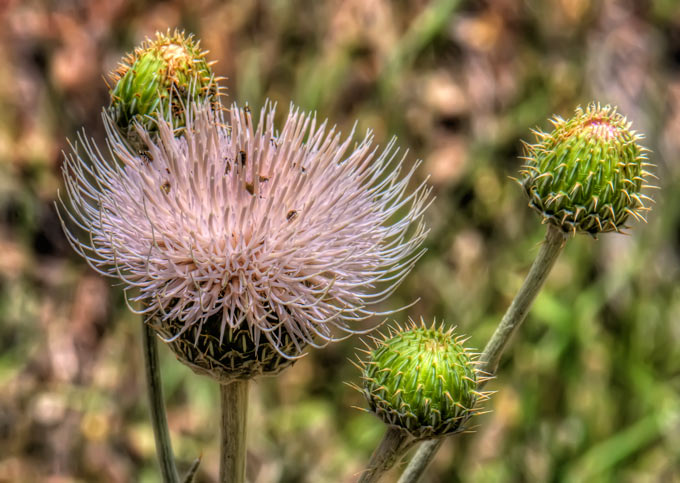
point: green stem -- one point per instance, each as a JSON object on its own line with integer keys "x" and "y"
{"x": 421, "y": 460}
{"x": 234, "y": 406}
{"x": 159, "y": 421}
{"x": 391, "y": 449}
{"x": 555, "y": 240}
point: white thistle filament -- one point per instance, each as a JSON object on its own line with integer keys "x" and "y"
{"x": 291, "y": 233}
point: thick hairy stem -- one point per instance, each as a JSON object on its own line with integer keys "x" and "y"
{"x": 159, "y": 421}
{"x": 234, "y": 406}
{"x": 395, "y": 443}
{"x": 555, "y": 239}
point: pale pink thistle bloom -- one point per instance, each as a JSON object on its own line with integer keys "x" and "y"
{"x": 288, "y": 234}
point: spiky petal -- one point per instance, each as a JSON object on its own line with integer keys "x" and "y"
{"x": 287, "y": 235}
{"x": 588, "y": 174}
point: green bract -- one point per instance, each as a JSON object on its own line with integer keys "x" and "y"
{"x": 423, "y": 380}
{"x": 229, "y": 356}
{"x": 587, "y": 174}
{"x": 160, "y": 77}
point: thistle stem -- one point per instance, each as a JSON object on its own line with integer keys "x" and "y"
{"x": 421, "y": 460}
{"x": 391, "y": 449}
{"x": 159, "y": 421}
{"x": 234, "y": 405}
{"x": 555, "y": 240}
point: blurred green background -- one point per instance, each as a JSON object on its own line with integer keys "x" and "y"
{"x": 589, "y": 389}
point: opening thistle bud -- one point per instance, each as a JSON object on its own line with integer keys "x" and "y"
{"x": 588, "y": 174}
{"x": 159, "y": 78}
{"x": 422, "y": 379}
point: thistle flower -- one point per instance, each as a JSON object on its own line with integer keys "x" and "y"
{"x": 587, "y": 175}
{"x": 422, "y": 379}
{"x": 245, "y": 244}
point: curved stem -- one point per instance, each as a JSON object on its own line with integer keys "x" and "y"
{"x": 391, "y": 449}
{"x": 159, "y": 421}
{"x": 555, "y": 240}
{"x": 234, "y": 406}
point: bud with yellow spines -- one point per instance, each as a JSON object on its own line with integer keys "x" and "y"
{"x": 422, "y": 379}
{"x": 160, "y": 77}
{"x": 588, "y": 174}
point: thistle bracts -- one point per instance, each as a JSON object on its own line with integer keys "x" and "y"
{"x": 159, "y": 78}
{"x": 587, "y": 175}
{"x": 423, "y": 380}
{"x": 229, "y": 356}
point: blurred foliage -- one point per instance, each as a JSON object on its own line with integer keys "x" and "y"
{"x": 589, "y": 390}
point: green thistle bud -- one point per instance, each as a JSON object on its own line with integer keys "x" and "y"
{"x": 422, "y": 379}
{"x": 587, "y": 175}
{"x": 160, "y": 77}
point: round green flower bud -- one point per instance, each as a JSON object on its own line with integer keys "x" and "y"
{"x": 229, "y": 356}
{"x": 159, "y": 78}
{"x": 422, "y": 379}
{"x": 587, "y": 175}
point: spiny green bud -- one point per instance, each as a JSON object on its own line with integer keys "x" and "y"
{"x": 587, "y": 175}
{"x": 159, "y": 78}
{"x": 422, "y": 379}
{"x": 234, "y": 355}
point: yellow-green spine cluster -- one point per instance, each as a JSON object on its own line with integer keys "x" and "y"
{"x": 421, "y": 379}
{"x": 159, "y": 78}
{"x": 588, "y": 174}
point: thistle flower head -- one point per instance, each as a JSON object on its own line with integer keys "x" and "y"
{"x": 237, "y": 235}
{"x": 588, "y": 174}
{"x": 156, "y": 79}
{"x": 422, "y": 379}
